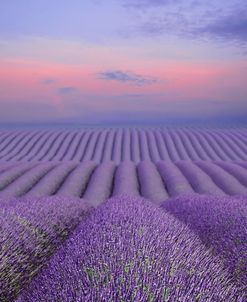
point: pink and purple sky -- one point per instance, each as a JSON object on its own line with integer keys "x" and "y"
{"x": 123, "y": 61}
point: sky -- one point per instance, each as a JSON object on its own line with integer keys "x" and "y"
{"x": 123, "y": 61}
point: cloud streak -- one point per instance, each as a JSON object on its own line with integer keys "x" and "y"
{"x": 232, "y": 27}
{"x": 147, "y": 3}
{"x": 192, "y": 19}
{"x": 67, "y": 90}
{"x": 126, "y": 77}
{"x": 48, "y": 81}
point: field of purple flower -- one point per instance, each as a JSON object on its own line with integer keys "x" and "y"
{"x": 123, "y": 215}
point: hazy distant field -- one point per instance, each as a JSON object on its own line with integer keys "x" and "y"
{"x": 184, "y": 190}
{"x": 135, "y": 144}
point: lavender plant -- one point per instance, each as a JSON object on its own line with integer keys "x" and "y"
{"x": 73, "y": 147}
{"x": 136, "y": 144}
{"x": 151, "y": 184}
{"x": 153, "y": 146}
{"x": 131, "y": 250}
{"x": 224, "y": 180}
{"x": 221, "y": 224}
{"x": 31, "y": 229}
{"x": 13, "y": 173}
{"x": 126, "y": 180}
{"x": 161, "y": 145}
{"x": 51, "y": 182}
{"x": 107, "y": 152}
{"x": 77, "y": 181}
{"x": 175, "y": 182}
{"x": 63, "y": 148}
{"x": 237, "y": 171}
{"x": 101, "y": 183}
{"x": 82, "y": 149}
{"x": 26, "y": 181}
{"x": 17, "y": 147}
{"x": 35, "y": 148}
{"x": 48, "y": 147}
{"x": 135, "y": 148}
{"x": 90, "y": 148}
{"x": 200, "y": 181}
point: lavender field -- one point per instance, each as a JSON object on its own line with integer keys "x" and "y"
{"x": 124, "y": 144}
{"x": 123, "y": 214}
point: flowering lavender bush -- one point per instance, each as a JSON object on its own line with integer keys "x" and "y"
{"x": 131, "y": 250}
{"x": 12, "y": 141}
{"x": 23, "y": 147}
{"x": 199, "y": 180}
{"x": 4, "y": 166}
{"x": 124, "y": 144}
{"x": 144, "y": 148}
{"x": 101, "y": 183}
{"x": 34, "y": 148}
{"x": 182, "y": 151}
{"x": 227, "y": 182}
{"x": 77, "y": 181}
{"x": 55, "y": 146}
{"x": 107, "y": 153}
{"x": 27, "y": 180}
{"x": 44, "y": 148}
{"x": 90, "y": 144}
{"x": 221, "y": 224}
{"x": 151, "y": 184}
{"x": 51, "y": 182}
{"x": 31, "y": 229}
{"x": 12, "y": 173}
{"x": 174, "y": 180}
{"x": 63, "y": 148}
{"x": 153, "y": 146}
{"x": 135, "y": 148}
{"x": 237, "y": 171}
{"x": 161, "y": 145}
{"x": 125, "y": 179}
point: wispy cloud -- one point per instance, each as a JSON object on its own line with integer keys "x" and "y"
{"x": 48, "y": 81}
{"x": 232, "y": 27}
{"x": 126, "y": 77}
{"x": 147, "y": 3}
{"x": 67, "y": 90}
{"x": 224, "y": 21}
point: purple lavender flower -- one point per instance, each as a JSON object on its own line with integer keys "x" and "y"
{"x": 174, "y": 180}
{"x": 151, "y": 183}
{"x": 31, "y": 229}
{"x": 221, "y": 224}
{"x": 131, "y": 250}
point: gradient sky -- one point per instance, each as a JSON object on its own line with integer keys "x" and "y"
{"x": 123, "y": 61}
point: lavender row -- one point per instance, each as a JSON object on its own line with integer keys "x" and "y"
{"x": 200, "y": 181}
{"x": 174, "y": 180}
{"x": 235, "y": 170}
{"x": 25, "y": 182}
{"x": 224, "y": 180}
{"x": 51, "y": 182}
{"x": 9, "y": 175}
{"x": 100, "y": 186}
{"x": 126, "y": 180}
{"x": 131, "y": 250}
{"x": 97, "y": 182}
{"x": 31, "y": 229}
{"x": 221, "y": 224}
{"x": 126, "y": 144}
{"x": 151, "y": 183}
{"x": 77, "y": 181}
